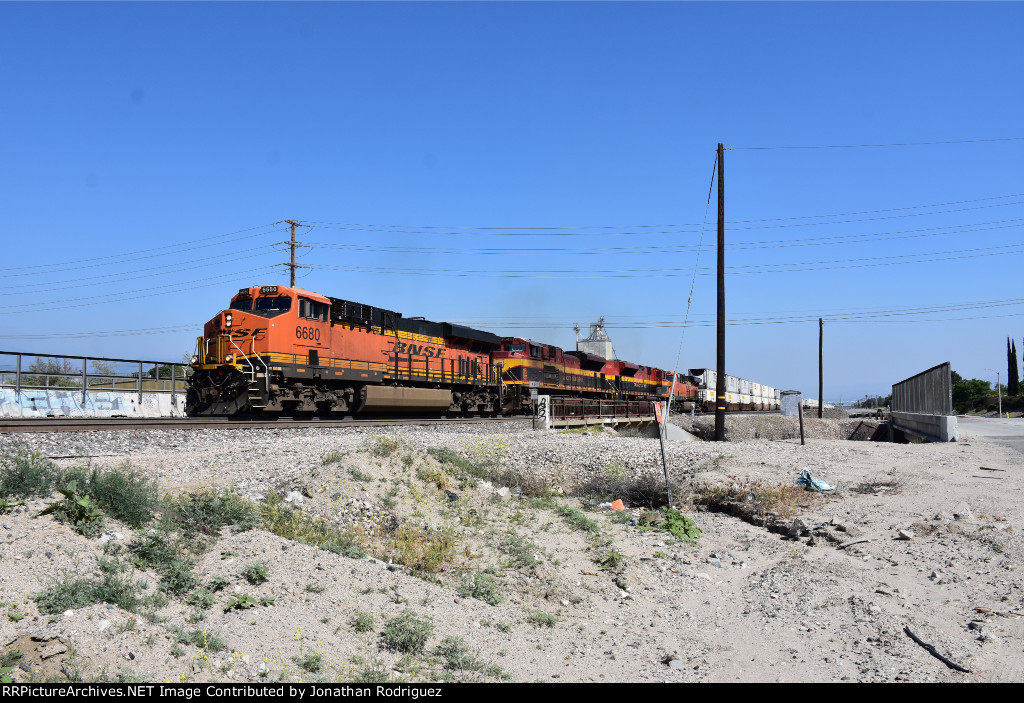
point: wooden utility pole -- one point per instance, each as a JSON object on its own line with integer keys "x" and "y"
{"x": 720, "y": 386}
{"x": 821, "y": 377}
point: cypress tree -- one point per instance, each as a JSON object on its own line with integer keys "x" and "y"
{"x": 1012, "y": 377}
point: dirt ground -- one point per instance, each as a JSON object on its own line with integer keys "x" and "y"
{"x": 920, "y": 541}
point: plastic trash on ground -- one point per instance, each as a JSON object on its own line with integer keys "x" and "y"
{"x": 813, "y": 484}
{"x": 617, "y": 505}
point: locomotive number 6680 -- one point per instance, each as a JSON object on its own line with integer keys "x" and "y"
{"x": 307, "y": 333}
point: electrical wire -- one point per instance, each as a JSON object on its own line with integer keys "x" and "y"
{"x": 537, "y": 231}
{"x": 674, "y": 272}
{"x": 685, "y": 248}
{"x": 78, "y": 263}
{"x": 861, "y": 146}
{"x": 172, "y": 269}
{"x": 125, "y": 296}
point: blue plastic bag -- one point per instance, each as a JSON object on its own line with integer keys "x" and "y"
{"x": 813, "y": 484}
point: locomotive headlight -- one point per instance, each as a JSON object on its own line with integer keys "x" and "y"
{"x": 227, "y": 320}
{"x": 229, "y": 358}
{"x": 194, "y": 359}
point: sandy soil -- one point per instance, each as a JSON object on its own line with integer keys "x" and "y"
{"x": 923, "y": 538}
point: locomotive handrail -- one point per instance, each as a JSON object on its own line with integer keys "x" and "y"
{"x": 266, "y": 369}
{"x": 242, "y": 354}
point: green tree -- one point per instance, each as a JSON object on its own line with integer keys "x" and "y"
{"x": 966, "y": 390}
{"x": 1012, "y": 375}
{"x": 54, "y": 373}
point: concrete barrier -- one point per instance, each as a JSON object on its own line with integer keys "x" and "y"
{"x": 936, "y": 428}
{"x": 69, "y": 403}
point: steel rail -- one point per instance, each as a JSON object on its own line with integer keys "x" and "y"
{"x": 21, "y": 425}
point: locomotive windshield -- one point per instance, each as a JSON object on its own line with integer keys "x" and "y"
{"x": 271, "y": 306}
{"x": 242, "y": 304}
{"x": 515, "y": 347}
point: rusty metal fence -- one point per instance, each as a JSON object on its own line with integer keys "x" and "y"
{"x": 928, "y": 393}
{"x": 582, "y": 409}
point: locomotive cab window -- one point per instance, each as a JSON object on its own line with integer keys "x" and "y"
{"x": 312, "y": 310}
{"x": 512, "y": 348}
{"x": 272, "y": 306}
{"x": 242, "y": 304}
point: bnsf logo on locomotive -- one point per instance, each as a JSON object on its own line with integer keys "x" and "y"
{"x": 417, "y": 350}
{"x": 246, "y": 333}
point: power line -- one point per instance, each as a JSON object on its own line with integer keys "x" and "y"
{"x": 105, "y": 333}
{"x": 756, "y": 316}
{"x": 173, "y": 269}
{"x": 78, "y": 263}
{"x": 666, "y": 272}
{"x": 861, "y": 146}
{"x": 537, "y": 231}
{"x": 685, "y": 248}
{"x": 125, "y": 296}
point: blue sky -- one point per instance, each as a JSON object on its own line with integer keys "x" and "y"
{"x": 522, "y": 167}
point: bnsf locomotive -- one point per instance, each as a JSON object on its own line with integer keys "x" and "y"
{"x": 287, "y": 350}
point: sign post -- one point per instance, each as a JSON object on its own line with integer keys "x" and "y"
{"x": 659, "y": 415}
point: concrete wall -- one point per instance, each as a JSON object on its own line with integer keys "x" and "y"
{"x": 937, "y": 428}
{"x": 69, "y": 403}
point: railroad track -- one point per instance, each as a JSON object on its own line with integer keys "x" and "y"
{"x": 91, "y": 424}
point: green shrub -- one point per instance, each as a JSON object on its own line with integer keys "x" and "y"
{"x": 422, "y": 549}
{"x": 333, "y": 457}
{"x": 311, "y": 663}
{"x": 406, "y": 633}
{"x": 521, "y": 551}
{"x": 25, "y": 474}
{"x": 457, "y": 655}
{"x": 255, "y": 573}
{"x": 679, "y": 526}
{"x": 382, "y": 447}
{"x": 361, "y": 621}
{"x": 287, "y": 521}
{"x": 77, "y": 510}
{"x": 153, "y": 549}
{"x": 210, "y": 641}
{"x": 124, "y": 494}
{"x": 178, "y": 577}
{"x": 209, "y": 510}
{"x": 575, "y": 518}
{"x": 114, "y": 586}
{"x": 540, "y": 619}
{"x": 482, "y": 587}
{"x": 374, "y": 672}
{"x": 455, "y": 464}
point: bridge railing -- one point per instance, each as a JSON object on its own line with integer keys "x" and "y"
{"x": 48, "y": 385}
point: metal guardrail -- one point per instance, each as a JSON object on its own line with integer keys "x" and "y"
{"x": 31, "y": 380}
{"x": 927, "y": 393}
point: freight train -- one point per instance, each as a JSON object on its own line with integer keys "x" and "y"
{"x": 285, "y": 350}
